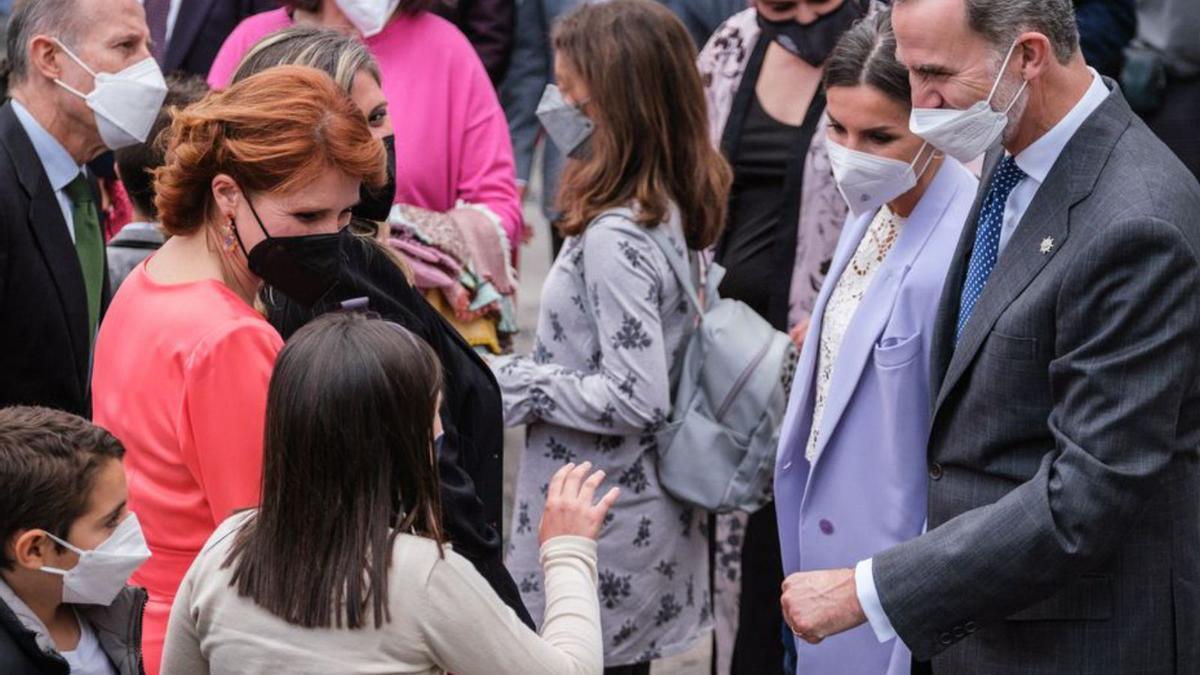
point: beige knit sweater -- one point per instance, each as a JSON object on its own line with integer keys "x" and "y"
{"x": 445, "y": 618}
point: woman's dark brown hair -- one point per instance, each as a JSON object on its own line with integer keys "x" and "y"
{"x": 409, "y": 7}
{"x": 866, "y": 54}
{"x": 348, "y": 465}
{"x": 651, "y": 142}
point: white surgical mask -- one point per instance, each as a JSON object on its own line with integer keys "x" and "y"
{"x": 368, "y": 16}
{"x": 565, "y": 123}
{"x": 869, "y": 181}
{"x": 102, "y": 572}
{"x": 966, "y": 134}
{"x": 125, "y": 104}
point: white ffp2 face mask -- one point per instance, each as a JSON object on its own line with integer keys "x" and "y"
{"x": 102, "y": 572}
{"x": 966, "y": 134}
{"x": 869, "y": 181}
{"x": 368, "y": 16}
{"x": 126, "y": 103}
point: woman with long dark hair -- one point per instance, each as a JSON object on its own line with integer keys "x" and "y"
{"x": 630, "y": 112}
{"x": 344, "y": 567}
{"x": 762, "y": 71}
{"x": 852, "y": 456}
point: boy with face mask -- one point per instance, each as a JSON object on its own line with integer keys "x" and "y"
{"x": 68, "y": 548}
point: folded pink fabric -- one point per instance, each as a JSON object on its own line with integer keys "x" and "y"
{"x": 431, "y": 268}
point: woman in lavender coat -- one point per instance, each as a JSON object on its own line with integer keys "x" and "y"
{"x": 851, "y": 473}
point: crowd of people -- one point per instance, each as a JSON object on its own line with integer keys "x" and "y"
{"x": 258, "y": 292}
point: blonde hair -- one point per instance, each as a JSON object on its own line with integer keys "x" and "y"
{"x": 340, "y": 56}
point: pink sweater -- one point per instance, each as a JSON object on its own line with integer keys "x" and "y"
{"x": 452, "y": 138}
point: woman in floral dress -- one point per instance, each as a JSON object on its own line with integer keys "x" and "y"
{"x": 614, "y": 319}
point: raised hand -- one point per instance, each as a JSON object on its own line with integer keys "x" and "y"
{"x": 569, "y": 508}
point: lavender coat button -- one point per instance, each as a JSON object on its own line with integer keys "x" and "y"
{"x": 826, "y": 526}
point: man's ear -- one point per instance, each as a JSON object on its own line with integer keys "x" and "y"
{"x": 1035, "y": 54}
{"x": 32, "y": 549}
{"x": 46, "y": 57}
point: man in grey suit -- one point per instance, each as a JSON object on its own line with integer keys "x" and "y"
{"x": 1064, "y": 496}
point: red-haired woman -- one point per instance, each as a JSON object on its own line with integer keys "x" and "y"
{"x": 183, "y": 359}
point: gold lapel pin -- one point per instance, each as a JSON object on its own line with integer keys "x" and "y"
{"x": 1047, "y": 245}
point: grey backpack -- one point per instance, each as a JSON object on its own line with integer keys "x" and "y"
{"x": 717, "y": 450}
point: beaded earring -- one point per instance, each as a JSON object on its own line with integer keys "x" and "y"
{"x": 229, "y": 236}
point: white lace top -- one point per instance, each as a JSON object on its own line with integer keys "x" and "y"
{"x": 872, "y": 250}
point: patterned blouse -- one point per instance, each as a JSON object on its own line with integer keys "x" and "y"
{"x": 596, "y": 388}
{"x": 843, "y": 303}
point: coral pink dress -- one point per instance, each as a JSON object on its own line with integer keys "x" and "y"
{"x": 180, "y": 378}
{"x": 452, "y": 139}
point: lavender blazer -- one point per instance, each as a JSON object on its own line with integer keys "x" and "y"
{"x": 866, "y": 489}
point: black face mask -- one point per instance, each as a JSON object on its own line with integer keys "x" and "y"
{"x": 813, "y": 42}
{"x": 377, "y": 204}
{"x": 303, "y": 268}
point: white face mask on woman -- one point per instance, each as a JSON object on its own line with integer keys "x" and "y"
{"x": 368, "y": 16}
{"x": 869, "y": 181}
{"x": 102, "y": 572}
{"x": 126, "y": 103}
{"x": 966, "y": 134}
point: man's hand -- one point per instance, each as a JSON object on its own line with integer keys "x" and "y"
{"x": 817, "y": 605}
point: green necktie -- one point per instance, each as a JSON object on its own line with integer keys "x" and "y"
{"x": 88, "y": 246}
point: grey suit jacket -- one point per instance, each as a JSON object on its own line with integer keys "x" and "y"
{"x": 1064, "y": 505}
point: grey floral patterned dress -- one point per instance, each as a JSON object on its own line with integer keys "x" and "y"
{"x": 595, "y": 388}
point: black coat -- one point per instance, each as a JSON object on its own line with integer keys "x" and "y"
{"x": 201, "y": 29}
{"x": 471, "y": 460}
{"x": 118, "y": 629}
{"x": 44, "y": 343}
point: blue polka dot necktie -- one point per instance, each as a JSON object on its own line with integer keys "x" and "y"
{"x": 987, "y": 238}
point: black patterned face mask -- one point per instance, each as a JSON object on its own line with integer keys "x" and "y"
{"x": 814, "y": 41}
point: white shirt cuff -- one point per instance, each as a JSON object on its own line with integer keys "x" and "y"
{"x": 868, "y": 597}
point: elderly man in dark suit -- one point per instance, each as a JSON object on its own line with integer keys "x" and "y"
{"x": 1064, "y": 500}
{"x": 53, "y": 277}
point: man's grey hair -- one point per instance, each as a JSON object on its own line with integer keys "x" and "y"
{"x": 58, "y": 18}
{"x": 1001, "y": 21}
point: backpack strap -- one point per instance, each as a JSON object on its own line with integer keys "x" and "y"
{"x": 678, "y": 263}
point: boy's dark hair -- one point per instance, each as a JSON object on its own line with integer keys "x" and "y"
{"x": 137, "y": 161}
{"x": 48, "y": 463}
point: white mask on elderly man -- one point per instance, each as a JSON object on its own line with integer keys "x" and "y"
{"x": 102, "y": 572}
{"x": 966, "y": 134}
{"x": 368, "y": 16}
{"x": 125, "y": 104}
{"x": 869, "y": 181}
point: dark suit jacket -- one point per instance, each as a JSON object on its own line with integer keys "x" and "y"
{"x": 44, "y": 342}
{"x": 1064, "y": 505}
{"x": 201, "y": 29}
{"x": 489, "y": 25}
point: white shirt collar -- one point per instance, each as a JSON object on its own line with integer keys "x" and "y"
{"x": 58, "y": 164}
{"x": 1038, "y": 159}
